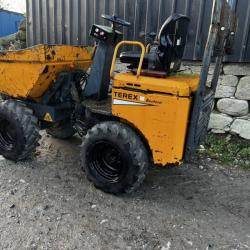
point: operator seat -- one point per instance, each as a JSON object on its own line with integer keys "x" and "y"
{"x": 168, "y": 48}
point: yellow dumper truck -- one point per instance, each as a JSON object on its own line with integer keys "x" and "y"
{"x": 151, "y": 114}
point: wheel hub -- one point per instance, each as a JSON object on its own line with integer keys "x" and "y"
{"x": 107, "y": 161}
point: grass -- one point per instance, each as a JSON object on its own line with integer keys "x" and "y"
{"x": 230, "y": 150}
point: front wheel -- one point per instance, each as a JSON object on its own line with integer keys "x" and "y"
{"x": 114, "y": 158}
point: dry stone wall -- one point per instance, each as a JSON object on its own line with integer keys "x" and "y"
{"x": 232, "y": 107}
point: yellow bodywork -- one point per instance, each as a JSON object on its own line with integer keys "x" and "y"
{"x": 30, "y": 72}
{"x": 159, "y": 109}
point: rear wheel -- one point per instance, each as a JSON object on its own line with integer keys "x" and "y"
{"x": 62, "y": 130}
{"x": 19, "y": 132}
{"x": 114, "y": 158}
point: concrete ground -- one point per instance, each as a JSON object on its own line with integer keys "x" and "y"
{"x": 47, "y": 203}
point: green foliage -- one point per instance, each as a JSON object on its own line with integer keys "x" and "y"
{"x": 230, "y": 150}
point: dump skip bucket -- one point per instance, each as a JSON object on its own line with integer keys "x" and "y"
{"x": 30, "y": 72}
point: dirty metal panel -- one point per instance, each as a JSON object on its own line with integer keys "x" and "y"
{"x": 29, "y": 72}
{"x": 242, "y": 41}
{"x": 69, "y": 21}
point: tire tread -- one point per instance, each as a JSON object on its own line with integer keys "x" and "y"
{"x": 23, "y": 116}
{"x": 134, "y": 145}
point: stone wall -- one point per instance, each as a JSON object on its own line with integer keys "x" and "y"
{"x": 232, "y": 107}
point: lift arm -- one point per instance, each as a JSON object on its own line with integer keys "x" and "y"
{"x": 220, "y": 39}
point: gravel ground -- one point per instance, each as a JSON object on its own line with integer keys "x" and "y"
{"x": 47, "y": 203}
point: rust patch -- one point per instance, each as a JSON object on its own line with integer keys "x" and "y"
{"x": 46, "y": 70}
{"x": 157, "y": 151}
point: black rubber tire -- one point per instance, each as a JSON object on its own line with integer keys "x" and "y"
{"x": 63, "y": 130}
{"x": 133, "y": 157}
{"x": 18, "y": 120}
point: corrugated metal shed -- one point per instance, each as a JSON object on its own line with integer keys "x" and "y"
{"x": 69, "y": 21}
{"x": 9, "y": 22}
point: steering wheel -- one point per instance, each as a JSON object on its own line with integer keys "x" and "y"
{"x": 116, "y": 20}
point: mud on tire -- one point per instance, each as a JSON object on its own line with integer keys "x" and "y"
{"x": 19, "y": 131}
{"x": 114, "y": 158}
{"x": 62, "y": 130}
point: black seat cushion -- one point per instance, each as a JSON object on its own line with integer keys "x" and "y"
{"x": 133, "y": 57}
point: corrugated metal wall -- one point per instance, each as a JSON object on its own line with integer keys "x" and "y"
{"x": 69, "y": 21}
{"x": 9, "y": 22}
